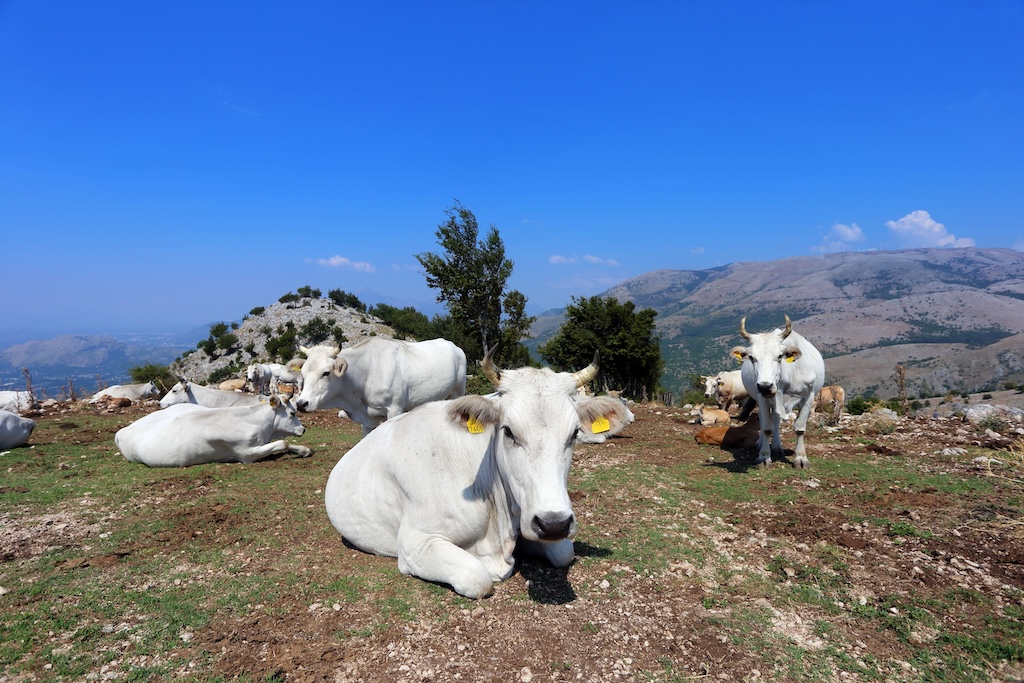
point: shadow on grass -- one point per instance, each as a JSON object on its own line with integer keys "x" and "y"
{"x": 744, "y": 460}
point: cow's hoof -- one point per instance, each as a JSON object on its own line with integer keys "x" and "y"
{"x": 764, "y": 464}
{"x": 802, "y": 463}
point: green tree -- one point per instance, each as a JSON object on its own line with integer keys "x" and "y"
{"x": 151, "y": 372}
{"x": 630, "y": 350}
{"x": 406, "y": 322}
{"x": 470, "y": 277}
{"x": 309, "y": 292}
{"x": 343, "y": 298}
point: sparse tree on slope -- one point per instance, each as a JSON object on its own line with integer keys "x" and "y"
{"x": 470, "y": 277}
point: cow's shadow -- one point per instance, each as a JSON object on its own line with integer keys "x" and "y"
{"x": 550, "y": 585}
{"x": 745, "y": 459}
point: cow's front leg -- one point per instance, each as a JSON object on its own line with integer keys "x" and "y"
{"x": 434, "y": 558}
{"x": 769, "y": 434}
{"x": 800, "y": 426}
{"x": 255, "y": 453}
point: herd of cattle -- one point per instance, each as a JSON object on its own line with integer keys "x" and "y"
{"x": 445, "y": 482}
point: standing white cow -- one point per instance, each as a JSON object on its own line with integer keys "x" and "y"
{"x": 14, "y": 429}
{"x": 132, "y": 392}
{"x": 449, "y": 487}
{"x": 380, "y": 378}
{"x": 190, "y": 392}
{"x": 260, "y": 377}
{"x": 783, "y": 371}
{"x": 188, "y": 434}
{"x": 725, "y": 387}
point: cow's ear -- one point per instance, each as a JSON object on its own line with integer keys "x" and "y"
{"x": 274, "y": 401}
{"x": 474, "y": 413}
{"x": 740, "y": 353}
{"x": 791, "y": 353}
{"x": 340, "y": 366}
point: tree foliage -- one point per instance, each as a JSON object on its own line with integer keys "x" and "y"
{"x": 343, "y": 298}
{"x": 470, "y": 276}
{"x": 151, "y": 372}
{"x": 630, "y": 350}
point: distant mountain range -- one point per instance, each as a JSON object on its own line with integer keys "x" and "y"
{"x": 953, "y": 317}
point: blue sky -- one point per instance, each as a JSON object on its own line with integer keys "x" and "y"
{"x": 171, "y": 164}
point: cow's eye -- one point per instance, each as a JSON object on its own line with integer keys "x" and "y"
{"x": 510, "y": 435}
{"x": 326, "y": 372}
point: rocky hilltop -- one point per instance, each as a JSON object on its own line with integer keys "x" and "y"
{"x": 953, "y": 317}
{"x": 264, "y": 337}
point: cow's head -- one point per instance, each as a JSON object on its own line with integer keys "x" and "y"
{"x": 535, "y": 418}
{"x": 177, "y": 394}
{"x": 766, "y": 353}
{"x": 321, "y": 369}
{"x": 286, "y": 420}
{"x": 710, "y": 385}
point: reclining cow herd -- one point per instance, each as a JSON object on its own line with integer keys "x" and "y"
{"x": 448, "y": 483}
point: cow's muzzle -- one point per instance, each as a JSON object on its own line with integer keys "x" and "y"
{"x": 766, "y": 389}
{"x": 302, "y": 405}
{"x": 551, "y": 527}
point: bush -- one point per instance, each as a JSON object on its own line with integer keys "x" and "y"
{"x": 220, "y": 374}
{"x": 308, "y": 292}
{"x": 858, "y": 405}
{"x": 227, "y": 341}
{"x": 316, "y": 331}
{"x": 151, "y": 372}
{"x": 257, "y": 310}
{"x": 283, "y": 348}
{"x": 288, "y": 298}
{"x": 343, "y": 298}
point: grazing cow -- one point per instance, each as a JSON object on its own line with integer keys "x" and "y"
{"x": 725, "y": 387}
{"x": 380, "y": 378}
{"x": 132, "y": 392}
{"x": 235, "y": 384}
{"x": 712, "y": 416}
{"x": 14, "y": 429}
{"x": 289, "y": 373}
{"x": 449, "y": 488}
{"x": 16, "y": 401}
{"x": 743, "y": 436}
{"x": 830, "y": 399}
{"x": 190, "y": 392}
{"x": 187, "y": 434}
{"x": 783, "y": 371}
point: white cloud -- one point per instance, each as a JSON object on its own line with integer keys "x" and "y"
{"x": 697, "y": 250}
{"x": 840, "y": 237}
{"x": 918, "y": 229}
{"x": 342, "y": 262}
{"x": 597, "y": 260}
{"x": 560, "y": 260}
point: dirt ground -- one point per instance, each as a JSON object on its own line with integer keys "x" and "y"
{"x": 601, "y": 619}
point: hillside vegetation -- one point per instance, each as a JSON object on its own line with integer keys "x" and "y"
{"x": 953, "y": 317}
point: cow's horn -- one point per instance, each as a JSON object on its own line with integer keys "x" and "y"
{"x": 743, "y": 328}
{"x": 491, "y": 371}
{"x": 588, "y": 373}
{"x": 789, "y": 327}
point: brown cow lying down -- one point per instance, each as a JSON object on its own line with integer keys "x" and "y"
{"x": 744, "y": 436}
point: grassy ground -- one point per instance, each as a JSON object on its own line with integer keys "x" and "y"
{"x": 891, "y": 559}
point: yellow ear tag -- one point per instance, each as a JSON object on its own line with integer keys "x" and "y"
{"x": 599, "y": 425}
{"x": 791, "y": 359}
{"x": 474, "y": 426}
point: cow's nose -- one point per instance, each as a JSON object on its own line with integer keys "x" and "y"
{"x": 302, "y": 404}
{"x": 766, "y": 388}
{"x": 552, "y": 528}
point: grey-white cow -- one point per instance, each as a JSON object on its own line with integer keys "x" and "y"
{"x": 14, "y": 429}
{"x": 380, "y": 378}
{"x": 190, "y": 392}
{"x": 782, "y": 371}
{"x": 449, "y": 487}
{"x": 188, "y": 434}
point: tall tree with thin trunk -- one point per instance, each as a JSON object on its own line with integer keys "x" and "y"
{"x": 470, "y": 277}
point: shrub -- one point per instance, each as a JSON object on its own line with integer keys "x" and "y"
{"x": 288, "y": 298}
{"x": 218, "y": 329}
{"x": 309, "y": 292}
{"x": 343, "y": 298}
{"x": 151, "y": 372}
{"x": 316, "y": 331}
{"x": 227, "y": 341}
{"x": 257, "y": 310}
{"x": 221, "y": 374}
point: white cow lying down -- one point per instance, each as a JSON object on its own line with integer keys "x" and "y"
{"x": 14, "y": 429}
{"x": 449, "y": 487}
{"x": 188, "y": 434}
{"x": 132, "y": 392}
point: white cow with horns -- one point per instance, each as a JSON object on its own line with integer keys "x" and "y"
{"x": 380, "y": 378}
{"x": 449, "y": 488}
{"x": 783, "y": 371}
{"x": 132, "y": 392}
{"x": 188, "y": 434}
